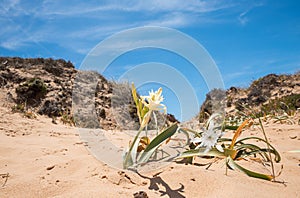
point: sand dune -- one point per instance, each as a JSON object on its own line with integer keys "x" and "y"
{"x": 50, "y": 160}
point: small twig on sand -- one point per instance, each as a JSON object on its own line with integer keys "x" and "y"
{"x": 6, "y": 175}
{"x": 281, "y": 182}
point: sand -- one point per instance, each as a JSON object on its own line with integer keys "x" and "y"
{"x": 51, "y": 160}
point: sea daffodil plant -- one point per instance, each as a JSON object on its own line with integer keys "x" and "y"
{"x": 145, "y": 106}
{"x": 206, "y": 143}
{"x": 210, "y": 143}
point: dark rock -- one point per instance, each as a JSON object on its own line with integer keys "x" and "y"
{"x": 140, "y": 194}
{"x": 171, "y": 118}
{"x": 233, "y": 89}
{"x": 51, "y": 108}
{"x": 102, "y": 114}
{"x": 3, "y": 81}
{"x": 31, "y": 91}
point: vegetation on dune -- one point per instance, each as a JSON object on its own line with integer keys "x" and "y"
{"x": 31, "y": 91}
{"x": 46, "y": 86}
{"x": 206, "y": 143}
{"x": 232, "y": 149}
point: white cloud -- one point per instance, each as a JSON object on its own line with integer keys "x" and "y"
{"x": 49, "y": 21}
{"x": 11, "y": 44}
{"x": 79, "y": 7}
{"x": 173, "y": 20}
{"x": 242, "y": 18}
{"x": 180, "y": 5}
{"x": 8, "y": 5}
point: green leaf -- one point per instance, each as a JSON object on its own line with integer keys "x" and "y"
{"x": 272, "y": 149}
{"x": 253, "y": 150}
{"x": 134, "y": 95}
{"x": 155, "y": 143}
{"x": 186, "y": 130}
{"x": 231, "y": 127}
{"x": 230, "y": 152}
{"x": 200, "y": 152}
{"x": 232, "y": 164}
{"x": 224, "y": 140}
{"x": 131, "y": 154}
{"x": 144, "y": 111}
{"x": 141, "y": 109}
{"x": 127, "y": 162}
{"x": 137, "y": 101}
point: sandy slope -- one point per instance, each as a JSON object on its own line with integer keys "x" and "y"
{"x": 48, "y": 160}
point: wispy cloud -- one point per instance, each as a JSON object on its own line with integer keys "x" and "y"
{"x": 74, "y": 25}
{"x": 235, "y": 75}
{"x": 8, "y": 5}
{"x": 170, "y": 20}
{"x": 79, "y": 7}
{"x": 243, "y": 16}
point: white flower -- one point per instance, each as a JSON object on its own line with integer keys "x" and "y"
{"x": 153, "y": 101}
{"x": 219, "y": 148}
{"x": 196, "y": 140}
{"x": 209, "y": 138}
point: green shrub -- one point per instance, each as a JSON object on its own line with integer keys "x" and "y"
{"x": 31, "y": 91}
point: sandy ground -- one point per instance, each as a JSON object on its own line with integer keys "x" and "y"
{"x": 50, "y": 160}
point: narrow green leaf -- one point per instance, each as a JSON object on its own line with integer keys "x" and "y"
{"x": 134, "y": 95}
{"x": 232, "y": 164}
{"x": 144, "y": 110}
{"x": 253, "y": 150}
{"x": 137, "y": 101}
{"x": 230, "y": 152}
{"x": 186, "y": 130}
{"x": 224, "y": 140}
{"x": 127, "y": 162}
{"x": 272, "y": 149}
{"x": 130, "y": 156}
{"x": 155, "y": 143}
{"x": 231, "y": 127}
{"x": 200, "y": 152}
{"x": 182, "y": 130}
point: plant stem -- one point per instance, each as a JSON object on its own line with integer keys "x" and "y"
{"x": 155, "y": 119}
{"x": 272, "y": 165}
{"x": 226, "y": 170}
{"x": 128, "y": 155}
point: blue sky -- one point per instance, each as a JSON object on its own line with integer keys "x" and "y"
{"x": 247, "y": 39}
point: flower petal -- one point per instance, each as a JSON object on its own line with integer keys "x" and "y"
{"x": 196, "y": 140}
{"x": 146, "y": 119}
{"x": 219, "y": 148}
